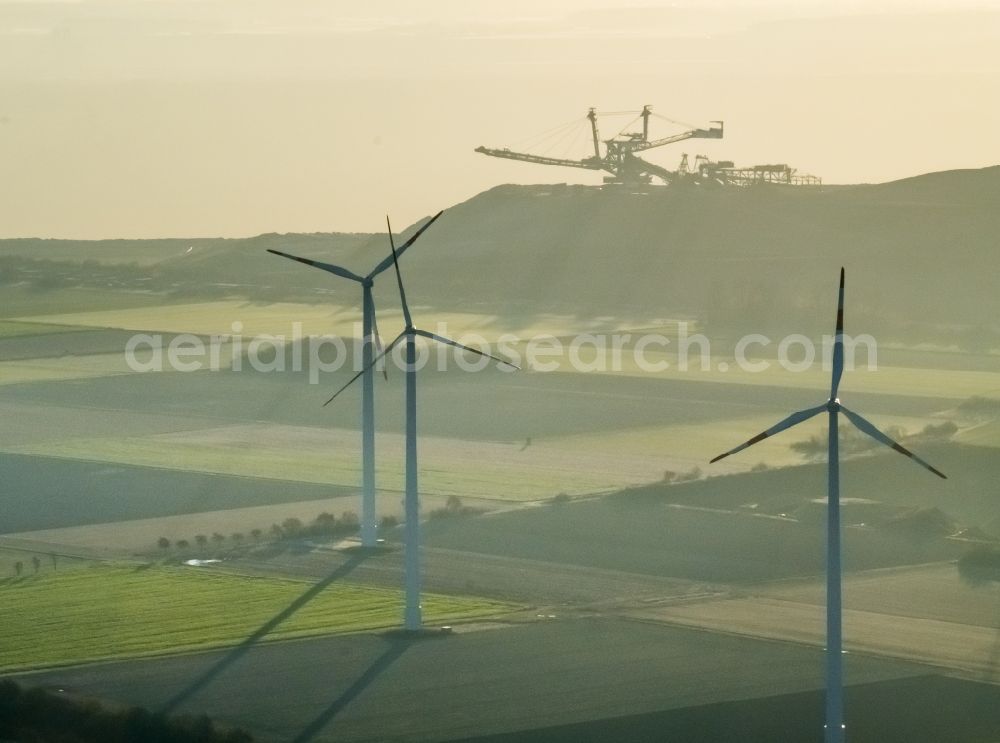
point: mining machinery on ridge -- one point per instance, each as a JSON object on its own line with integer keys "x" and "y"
{"x": 619, "y": 156}
{"x": 726, "y": 173}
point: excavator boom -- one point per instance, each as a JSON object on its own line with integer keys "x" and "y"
{"x": 618, "y": 158}
{"x": 590, "y": 163}
{"x": 714, "y": 132}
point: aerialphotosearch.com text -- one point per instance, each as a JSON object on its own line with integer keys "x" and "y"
{"x": 319, "y": 355}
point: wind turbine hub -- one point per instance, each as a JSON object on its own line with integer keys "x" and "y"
{"x": 833, "y": 405}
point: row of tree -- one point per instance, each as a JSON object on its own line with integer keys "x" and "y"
{"x": 36, "y": 563}
{"x": 854, "y": 442}
{"x": 324, "y": 526}
{"x": 454, "y": 507}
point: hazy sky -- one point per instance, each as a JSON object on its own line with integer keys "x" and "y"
{"x": 156, "y": 118}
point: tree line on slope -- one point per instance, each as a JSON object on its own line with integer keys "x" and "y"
{"x": 37, "y": 715}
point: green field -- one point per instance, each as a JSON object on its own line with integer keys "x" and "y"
{"x": 575, "y": 464}
{"x": 331, "y": 456}
{"x": 277, "y": 318}
{"x": 62, "y": 368}
{"x": 953, "y": 384}
{"x": 696, "y": 442}
{"x": 217, "y": 318}
{"x": 14, "y": 329}
{"x": 20, "y": 301}
{"x": 589, "y": 432}
{"x": 118, "y": 611}
{"x": 152, "y": 313}
{"x": 280, "y": 319}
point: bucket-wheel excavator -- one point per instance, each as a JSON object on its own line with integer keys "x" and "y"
{"x": 619, "y": 156}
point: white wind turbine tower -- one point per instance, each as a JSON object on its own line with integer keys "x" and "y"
{"x": 834, "y": 728}
{"x": 369, "y": 518}
{"x": 412, "y": 615}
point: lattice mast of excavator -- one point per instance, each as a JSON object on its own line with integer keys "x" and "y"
{"x": 619, "y": 158}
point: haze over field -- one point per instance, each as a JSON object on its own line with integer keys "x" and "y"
{"x": 169, "y": 118}
{"x": 187, "y": 527}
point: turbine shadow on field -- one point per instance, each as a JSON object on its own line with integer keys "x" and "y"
{"x": 397, "y": 646}
{"x": 246, "y": 645}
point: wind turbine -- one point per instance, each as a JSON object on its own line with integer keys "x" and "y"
{"x": 835, "y": 728}
{"x": 412, "y": 615}
{"x": 369, "y": 329}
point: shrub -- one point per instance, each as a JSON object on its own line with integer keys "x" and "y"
{"x": 453, "y": 507}
{"x": 40, "y": 715}
{"x": 326, "y": 523}
{"x": 938, "y": 431}
{"x": 349, "y": 522}
{"x": 852, "y": 441}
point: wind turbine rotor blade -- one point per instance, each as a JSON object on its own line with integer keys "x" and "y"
{"x": 399, "y": 277}
{"x": 456, "y": 344}
{"x": 376, "y": 337}
{"x": 838, "y": 342}
{"x": 372, "y": 364}
{"x": 869, "y": 428}
{"x": 793, "y": 420}
{"x": 387, "y": 261}
{"x": 329, "y": 267}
